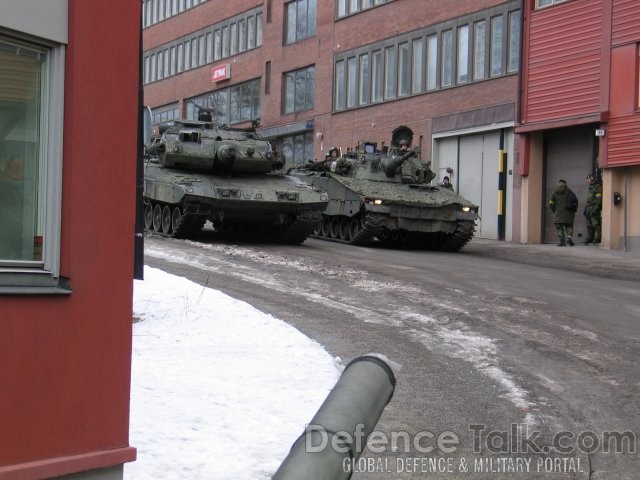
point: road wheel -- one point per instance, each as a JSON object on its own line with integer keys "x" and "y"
{"x": 148, "y": 216}
{"x": 335, "y": 226}
{"x": 344, "y": 228}
{"x": 166, "y": 219}
{"x": 176, "y": 220}
{"x": 354, "y": 228}
{"x": 157, "y": 218}
{"x": 325, "y": 228}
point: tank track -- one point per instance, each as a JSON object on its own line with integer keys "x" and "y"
{"x": 369, "y": 230}
{"x": 296, "y": 232}
{"x": 459, "y": 238}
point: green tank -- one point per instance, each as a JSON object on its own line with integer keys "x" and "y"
{"x": 195, "y": 171}
{"x": 385, "y": 196}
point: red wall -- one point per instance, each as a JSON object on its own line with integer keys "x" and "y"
{"x": 624, "y": 115}
{"x": 65, "y": 360}
{"x": 562, "y": 76}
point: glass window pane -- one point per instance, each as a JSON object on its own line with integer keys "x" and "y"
{"x": 340, "y": 86}
{"x": 289, "y": 92}
{"x": 234, "y": 38}
{"x": 242, "y": 34}
{"x": 514, "y": 41}
{"x": 390, "y": 72}
{"x": 292, "y": 20}
{"x": 342, "y": 8}
{"x": 301, "y": 83}
{"x": 377, "y": 76}
{"x": 251, "y": 32}
{"x": 447, "y": 58}
{"x": 432, "y": 62}
{"x": 364, "y": 79}
{"x": 225, "y": 42}
{"x": 259, "y": 30}
{"x": 351, "y": 81}
{"x": 479, "y": 43}
{"x": 404, "y": 68}
{"x": 496, "y": 46}
{"x": 209, "y": 47}
{"x": 21, "y": 175}
{"x": 301, "y": 25}
{"x": 312, "y": 15}
{"x": 418, "y": 66}
{"x": 310, "y": 89}
{"x": 463, "y": 54}
{"x": 217, "y": 41}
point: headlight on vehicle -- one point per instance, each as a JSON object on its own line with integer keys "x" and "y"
{"x": 377, "y": 202}
{"x": 466, "y": 209}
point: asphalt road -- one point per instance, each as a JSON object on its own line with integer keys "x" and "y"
{"x": 533, "y": 344}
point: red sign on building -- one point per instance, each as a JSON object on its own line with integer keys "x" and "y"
{"x": 221, "y": 72}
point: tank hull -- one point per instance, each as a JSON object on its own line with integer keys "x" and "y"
{"x": 395, "y": 214}
{"x": 270, "y": 206}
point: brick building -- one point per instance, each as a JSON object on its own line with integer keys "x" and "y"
{"x": 580, "y": 113}
{"x": 320, "y": 73}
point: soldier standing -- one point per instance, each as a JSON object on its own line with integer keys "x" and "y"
{"x": 593, "y": 210}
{"x": 564, "y": 204}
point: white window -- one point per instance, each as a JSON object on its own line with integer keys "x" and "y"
{"x": 447, "y": 58}
{"x": 463, "y": 54}
{"x": 479, "y": 49}
{"x": 418, "y": 66}
{"x": 31, "y": 110}
{"x": 496, "y": 46}
{"x": 547, "y": 3}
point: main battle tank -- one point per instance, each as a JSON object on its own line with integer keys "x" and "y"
{"x": 386, "y": 196}
{"x": 195, "y": 171}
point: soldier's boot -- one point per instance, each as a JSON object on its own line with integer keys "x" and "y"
{"x": 561, "y": 243}
{"x": 570, "y": 241}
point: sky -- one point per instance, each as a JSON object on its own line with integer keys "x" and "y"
{"x": 219, "y": 389}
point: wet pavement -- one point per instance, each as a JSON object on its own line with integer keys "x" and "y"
{"x": 591, "y": 260}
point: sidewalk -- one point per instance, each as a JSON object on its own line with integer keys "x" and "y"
{"x": 590, "y": 260}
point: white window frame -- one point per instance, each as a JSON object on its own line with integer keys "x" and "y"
{"x": 23, "y": 277}
{"x": 547, "y": 3}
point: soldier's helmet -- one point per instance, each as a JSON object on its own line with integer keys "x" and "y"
{"x": 403, "y": 142}
{"x": 333, "y": 150}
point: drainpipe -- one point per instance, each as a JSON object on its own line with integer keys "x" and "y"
{"x": 336, "y": 436}
{"x": 624, "y": 199}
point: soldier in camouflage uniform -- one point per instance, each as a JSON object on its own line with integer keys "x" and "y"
{"x": 564, "y": 204}
{"x": 593, "y": 210}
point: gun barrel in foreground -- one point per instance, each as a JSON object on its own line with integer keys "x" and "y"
{"x": 339, "y": 430}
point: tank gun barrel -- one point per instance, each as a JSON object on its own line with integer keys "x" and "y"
{"x": 390, "y": 165}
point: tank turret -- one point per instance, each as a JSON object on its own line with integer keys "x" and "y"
{"x": 197, "y": 171}
{"x": 198, "y": 145}
{"x": 385, "y": 195}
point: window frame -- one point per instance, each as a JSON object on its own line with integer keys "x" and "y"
{"x": 290, "y": 28}
{"x": 306, "y": 76}
{"x": 43, "y": 277}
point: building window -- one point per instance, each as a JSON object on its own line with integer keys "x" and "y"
{"x": 455, "y": 52}
{"x": 418, "y": 66}
{"x": 267, "y": 78}
{"x": 154, "y": 11}
{"x": 350, "y": 7}
{"x": 165, "y": 113}
{"x": 514, "y": 42}
{"x": 404, "y": 69}
{"x": 389, "y": 72}
{"x": 365, "y": 79}
{"x": 31, "y": 99}
{"x": 301, "y": 20}
{"x": 299, "y": 90}
{"x": 547, "y": 3}
{"x": 463, "y": 54}
{"x": 432, "y": 62}
{"x": 297, "y": 149}
{"x": 231, "y": 37}
{"x": 339, "y": 94}
{"x": 496, "y": 46}
{"x": 377, "y": 76}
{"x": 235, "y": 104}
{"x": 479, "y": 49}
{"x": 447, "y": 58}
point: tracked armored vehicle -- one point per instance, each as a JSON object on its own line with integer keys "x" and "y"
{"x": 195, "y": 171}
{"x": 385, "y": 196}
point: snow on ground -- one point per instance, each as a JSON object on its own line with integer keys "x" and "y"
{"x": 219, "y": 389}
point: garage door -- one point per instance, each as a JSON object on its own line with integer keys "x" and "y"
{"x": 478, "y": 179}
{"x": 569, "y": 154}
